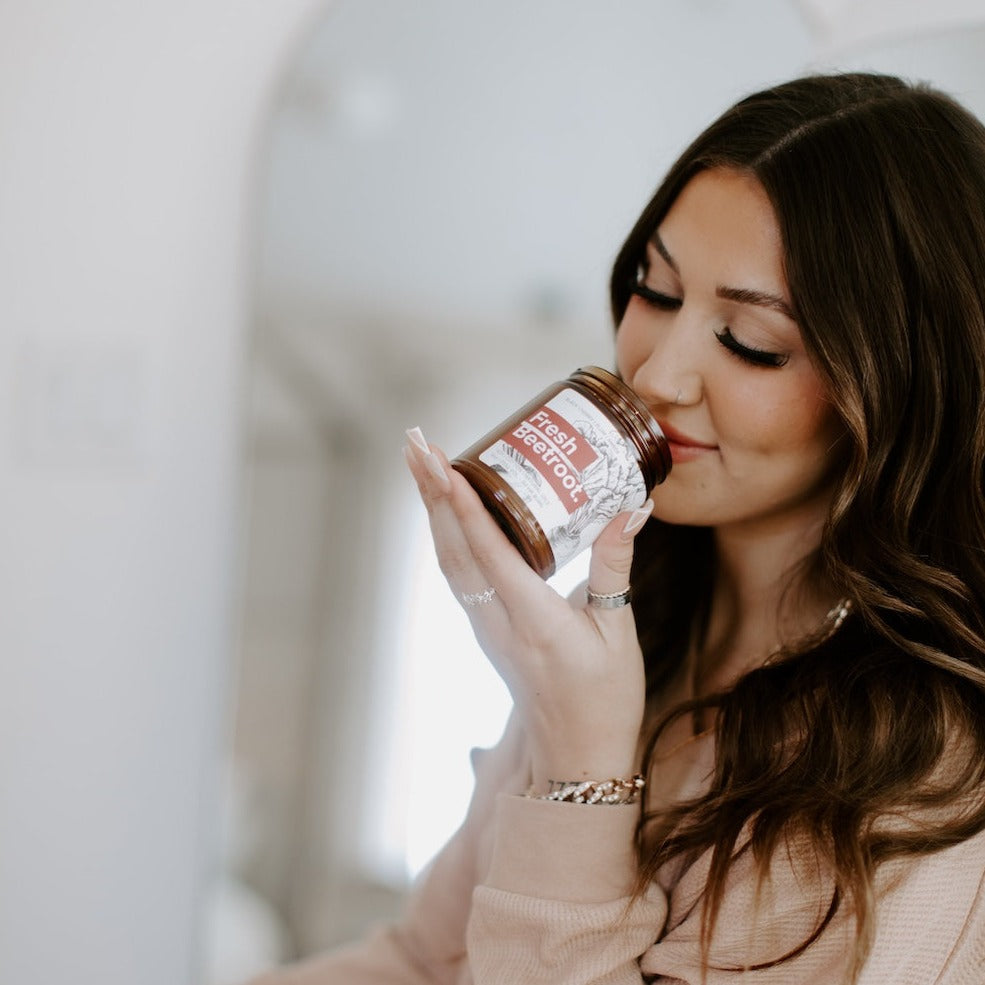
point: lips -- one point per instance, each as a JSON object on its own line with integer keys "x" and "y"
{"x": 679, "y": 438}
{"x": 684, "y": 448}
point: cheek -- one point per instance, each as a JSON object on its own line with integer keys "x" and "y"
{"x": 767, "y": 420}
{"x": 811, "y": 418}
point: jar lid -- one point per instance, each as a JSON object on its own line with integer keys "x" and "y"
{"x": 642, "y": 426}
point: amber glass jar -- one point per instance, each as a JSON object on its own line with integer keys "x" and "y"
{"x": 557, "y": 471}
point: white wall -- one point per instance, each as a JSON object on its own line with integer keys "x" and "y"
{"x": 128, "y": 134}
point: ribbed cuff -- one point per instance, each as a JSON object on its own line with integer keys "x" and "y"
{"x": 563, "y": 851}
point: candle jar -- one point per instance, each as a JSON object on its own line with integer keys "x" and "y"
{"x": 559, "y": 469}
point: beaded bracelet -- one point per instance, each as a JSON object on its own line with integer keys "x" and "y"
{"x": 618, "y": 790}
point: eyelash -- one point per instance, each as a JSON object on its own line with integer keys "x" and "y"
{"x": 748, "y": 354}
{"x": 662, "y": 301}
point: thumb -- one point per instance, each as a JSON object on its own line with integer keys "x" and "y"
{"x": 612, "y": 552}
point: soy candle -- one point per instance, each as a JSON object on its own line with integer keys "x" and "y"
{"x": 559, "y": 469}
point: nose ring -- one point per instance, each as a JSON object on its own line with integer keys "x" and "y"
{"x": 677, "y": 399}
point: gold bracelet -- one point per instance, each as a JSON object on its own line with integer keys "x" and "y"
{"x": 618, "y": 790}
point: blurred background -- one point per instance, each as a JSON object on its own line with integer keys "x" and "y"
{"x": 244, "y": 246}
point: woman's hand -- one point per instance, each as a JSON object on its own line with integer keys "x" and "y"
{"x": 575, "y": 671}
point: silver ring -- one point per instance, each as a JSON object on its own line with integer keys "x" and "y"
{"x": 478, "y": 598}
{"x": 611, "y": 600}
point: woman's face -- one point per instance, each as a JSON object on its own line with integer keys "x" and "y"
{"x": 709, "y": 341}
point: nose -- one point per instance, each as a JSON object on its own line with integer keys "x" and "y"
{"x": 670, "y": 374}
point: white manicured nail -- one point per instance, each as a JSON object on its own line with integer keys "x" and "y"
{"x": 434, "y": 467}
{"x": 417, "y": 437}
{"x": 637, "y": 518}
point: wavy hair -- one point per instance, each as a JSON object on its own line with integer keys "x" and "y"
{"x": 878, "y": 187}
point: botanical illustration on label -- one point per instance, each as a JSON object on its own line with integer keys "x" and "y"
{"x": 572, "y": 467}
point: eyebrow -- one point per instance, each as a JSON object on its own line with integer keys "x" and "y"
{"x": 746, "y": 295}
{"x": 743, "y": 295}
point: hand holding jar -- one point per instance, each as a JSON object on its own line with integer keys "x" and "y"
{"x": 575, "y": 670}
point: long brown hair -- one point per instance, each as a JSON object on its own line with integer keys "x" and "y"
{"x": 879, "y": 190}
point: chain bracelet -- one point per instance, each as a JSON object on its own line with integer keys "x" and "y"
{"x": 618, "y": 790}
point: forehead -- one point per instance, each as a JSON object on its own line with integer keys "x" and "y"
{"x": 724, "y": 218}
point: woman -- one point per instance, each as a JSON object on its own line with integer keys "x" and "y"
{"x": 800, "y": 680}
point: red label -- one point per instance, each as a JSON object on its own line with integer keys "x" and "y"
{"x": 557, "y": 450}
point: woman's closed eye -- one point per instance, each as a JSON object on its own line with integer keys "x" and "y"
{"x": 750, "y": 354}
{"x": 665, "y": 302}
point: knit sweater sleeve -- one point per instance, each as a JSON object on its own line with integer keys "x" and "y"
{"x": 527, "y": 891}
{"x": 556, "y": 905}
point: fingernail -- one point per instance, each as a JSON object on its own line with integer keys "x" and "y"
{"x": 417, "y": 437}
{"x": 434, "y": 467}
{"x": 637, "y": 518}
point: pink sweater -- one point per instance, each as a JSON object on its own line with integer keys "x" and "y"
{"x": 530, "y": 892}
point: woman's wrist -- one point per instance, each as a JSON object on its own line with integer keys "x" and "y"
{"x": 549, "y": 773}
